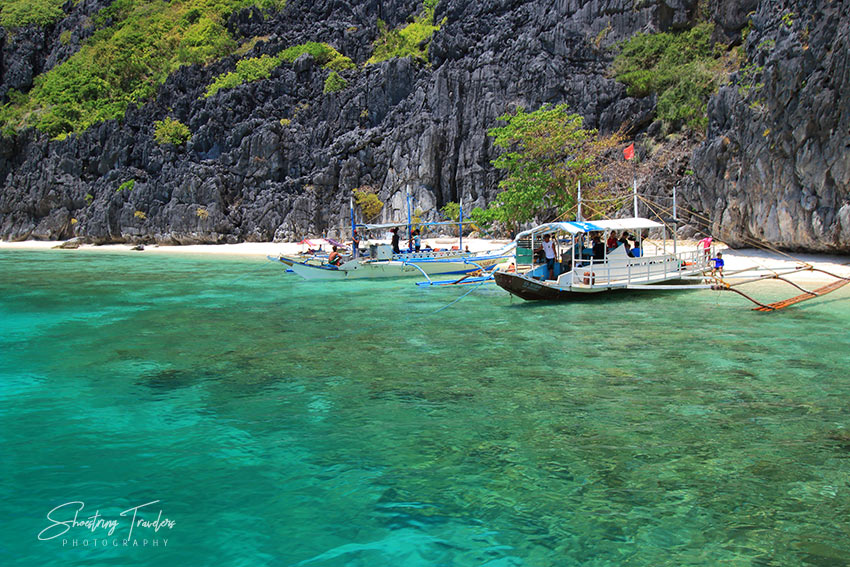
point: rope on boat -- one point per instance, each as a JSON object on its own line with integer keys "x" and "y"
{"x": 802, "y": 265}
{"x": 459, "y": 298}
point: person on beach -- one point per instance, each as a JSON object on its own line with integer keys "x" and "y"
{"x": 717, "y": 265}
{"x": 549, "y": 255}
{"x": 334, "y": 258}
{"x": 355, "y": 244}
{"x": 415, "y": 242}
{"x": 394, "y": 241}
{"x": 705, "y": 243}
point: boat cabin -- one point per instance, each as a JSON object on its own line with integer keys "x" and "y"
{"x": 604, "y": 254}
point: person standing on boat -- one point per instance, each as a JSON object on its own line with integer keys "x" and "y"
{"x": 598, "y": 247}
{"x": 394, "y": 241}
{"x": 549, "y": 254}
{"x": 624, "y": 240}
{"x": 355, "y": 244}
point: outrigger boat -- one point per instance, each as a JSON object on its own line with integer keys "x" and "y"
{"x": 381, "y": 262}
{"x": 580, "y": 273}
{"x": 385, "y": 264}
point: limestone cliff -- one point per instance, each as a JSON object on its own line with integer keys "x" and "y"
{"x": 775, "y": 166}
{"x": 278, "y": 158}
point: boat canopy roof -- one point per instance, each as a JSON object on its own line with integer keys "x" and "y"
{"x": 633, "y": 223}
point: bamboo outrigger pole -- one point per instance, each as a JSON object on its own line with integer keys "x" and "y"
{"x": 777, "y": 305}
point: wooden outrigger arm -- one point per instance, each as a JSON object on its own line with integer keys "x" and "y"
{"x": 775, "y": 306}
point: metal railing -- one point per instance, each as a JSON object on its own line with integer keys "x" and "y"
{"x": 643, "y": 269}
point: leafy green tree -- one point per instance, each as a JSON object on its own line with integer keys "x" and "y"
{"x": 546, "y": 153}
{"x": 368, "y": 202}
{"x": 451, "y": 211}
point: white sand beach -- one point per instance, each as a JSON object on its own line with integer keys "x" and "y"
{"x": 744, "y": 262}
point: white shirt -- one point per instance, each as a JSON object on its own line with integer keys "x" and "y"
{"x": 549, "y": 249}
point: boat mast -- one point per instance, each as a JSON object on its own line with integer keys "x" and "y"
{"x": 634, "y": 194}
{"x": 409, "y": 218}
{"x": 351, "y": 210}
{"x": 573, "y": 238}
{"x": 675, "y": 221}
{"x": 578, "y": 211}
{"x": 460, "y": 226}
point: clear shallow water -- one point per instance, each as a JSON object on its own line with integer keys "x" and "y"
{"x": 287, "y": 423}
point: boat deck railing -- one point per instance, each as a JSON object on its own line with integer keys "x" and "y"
{"x": 641, "y": 270}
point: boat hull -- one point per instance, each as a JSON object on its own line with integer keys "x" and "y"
{"x": 372, "y": 269}
{"x": 532, "y": 289}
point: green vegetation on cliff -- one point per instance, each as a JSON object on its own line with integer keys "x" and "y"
{"x": 411, "y": 40}
{"x": 20, "y": 13}
{"x": 683, "y": 69}
{"x": 256, "y": 68}
{"x": 247, "y": 70}
{"x": 325, "y": 55}
{"x": 334, "y": 83}
{"x": 171, "y": 131}
{"x": 138, "y": 44}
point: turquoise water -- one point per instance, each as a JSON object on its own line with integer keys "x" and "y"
{"x": 280, "y": 422}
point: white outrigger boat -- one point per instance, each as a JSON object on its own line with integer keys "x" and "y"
{"x": 382, "y": 263}
{"x": 581, "y": 274}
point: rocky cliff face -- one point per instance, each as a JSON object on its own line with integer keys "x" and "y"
{"x": 775, "y": 167}
{"x": 278, "y": 158}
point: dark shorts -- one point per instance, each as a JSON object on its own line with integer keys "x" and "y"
{"x": 550, "y": 263}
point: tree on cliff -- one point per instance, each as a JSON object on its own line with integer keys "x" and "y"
{"x": 547, "y": 153}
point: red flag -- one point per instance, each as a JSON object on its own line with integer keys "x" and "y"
{"x": 629, "y": 152}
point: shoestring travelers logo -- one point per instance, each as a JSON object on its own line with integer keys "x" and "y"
{"x": 141, "y": 526}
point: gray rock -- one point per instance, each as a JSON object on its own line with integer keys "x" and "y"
{"x": 278, "y": 158}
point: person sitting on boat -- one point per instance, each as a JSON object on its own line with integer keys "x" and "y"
{"x": 394, "y": 241}
{"x": 612, "y": 241}
{"x": 637, "y": 250}
{"x": 717, "y": 265}
{"x": 334, "y": 258}
{"x": 549, "y": 254}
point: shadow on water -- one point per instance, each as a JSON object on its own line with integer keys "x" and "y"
{"x": 612, "y": 297}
